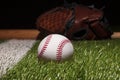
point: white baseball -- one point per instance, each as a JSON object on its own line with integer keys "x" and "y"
{"x": 55, "y": 47}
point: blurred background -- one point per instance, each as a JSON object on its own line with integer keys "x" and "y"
{"x": 22, "y": 14}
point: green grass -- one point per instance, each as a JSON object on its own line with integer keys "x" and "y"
{"x": 2, "y": 41}
{"x": 92, "y": 60}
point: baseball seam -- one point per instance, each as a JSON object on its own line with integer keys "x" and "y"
{"x": 60, "y": 48}
{"x": 45, "y": 45}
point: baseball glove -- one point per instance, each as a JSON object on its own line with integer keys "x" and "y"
{"x": 77, "y": 22}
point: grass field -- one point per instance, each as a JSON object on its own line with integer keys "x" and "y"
{"x": 92, "y": 60}
{"x": 2, "y": 41}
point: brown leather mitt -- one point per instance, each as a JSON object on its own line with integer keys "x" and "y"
{"x": 77, "y": 22}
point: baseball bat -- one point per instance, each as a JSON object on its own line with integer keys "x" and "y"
{"x": 115, "y": 35}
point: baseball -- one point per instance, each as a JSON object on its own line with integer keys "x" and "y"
{"x": 55, "y": 47}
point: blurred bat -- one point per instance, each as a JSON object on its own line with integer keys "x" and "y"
{"x": 115, "y": 35}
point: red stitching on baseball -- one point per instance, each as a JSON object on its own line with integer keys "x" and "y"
{"x": 60, "y": 48}
{"x": 45, "y": 45}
